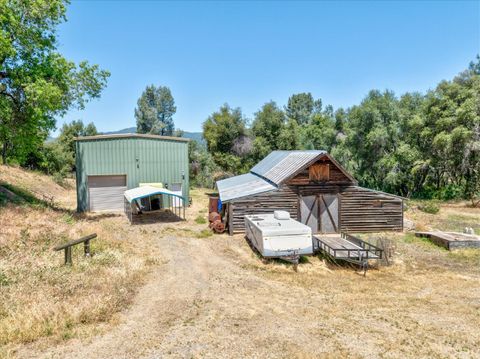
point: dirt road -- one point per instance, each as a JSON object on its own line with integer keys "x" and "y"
{"x": 200, "y": 303}
{"x": 212, "y": 297}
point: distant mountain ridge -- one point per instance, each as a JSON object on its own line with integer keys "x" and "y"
{"x": 197, "y": 136}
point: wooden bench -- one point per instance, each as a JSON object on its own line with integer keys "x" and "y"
{"x": 68, "y": 247}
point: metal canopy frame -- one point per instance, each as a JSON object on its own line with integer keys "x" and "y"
{"x": 178, "y": 211}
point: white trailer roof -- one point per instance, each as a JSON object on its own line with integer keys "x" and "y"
{"x": 270, "y": 226}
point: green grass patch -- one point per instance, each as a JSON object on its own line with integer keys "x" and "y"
{"x": 200, "y": 219}
{"x": 304, "y": 260}
{"x": 68, "y": 219}
{"x": 4, "y": 281}
{"x": 205, "y": 233}
{"x": 25, "y": 196}
{"x": 3, "y": 199}
{"x": 412, "y": 239}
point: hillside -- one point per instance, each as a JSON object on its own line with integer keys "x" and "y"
{"x": 39, "y": 296}
{"x": 197, "y": 136}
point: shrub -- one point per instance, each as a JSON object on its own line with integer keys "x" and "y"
{"x": 450, "y": 192}
{"x": 59, "y": 178}
{"x": 429, "y": 207}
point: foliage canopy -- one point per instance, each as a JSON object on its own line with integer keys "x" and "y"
{"x": 155, "y": 110}
{"x": 37, "y": 84}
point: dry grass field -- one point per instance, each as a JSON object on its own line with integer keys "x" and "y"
{"x": 176, "y": 290}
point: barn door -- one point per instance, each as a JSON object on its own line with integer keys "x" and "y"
{"x": 328, "y": 213}
{"x": 309, "y": 212}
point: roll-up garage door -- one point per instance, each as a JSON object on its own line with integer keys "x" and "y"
{"x": 106, "y": 192}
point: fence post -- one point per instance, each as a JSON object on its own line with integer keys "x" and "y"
{"x": 68, "y": 255}
{"x": 87, "y": 248}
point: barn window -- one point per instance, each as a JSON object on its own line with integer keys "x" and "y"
{"x": 319, "y": 172}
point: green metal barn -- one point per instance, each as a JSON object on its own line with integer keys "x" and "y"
{"x": 108, "y": 165}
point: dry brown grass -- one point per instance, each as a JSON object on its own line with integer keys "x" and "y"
{"x": 213, "y": 296}
{"x": 453, "y": 216}
{"x": 39, "y": 296}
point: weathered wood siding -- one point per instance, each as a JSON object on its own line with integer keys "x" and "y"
{"x": 364, "y": 210}
{"x": 284, "y": 199}
{"x": 360, "y": 209}
{"x": 336, "y": 175}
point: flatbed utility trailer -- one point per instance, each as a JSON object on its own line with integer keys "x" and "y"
{"x": 348, "y": 248}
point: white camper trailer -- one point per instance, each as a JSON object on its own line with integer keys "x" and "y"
{"x": 278, "y": 236}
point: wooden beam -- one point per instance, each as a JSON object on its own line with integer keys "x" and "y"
{"x": 230, "y": 218}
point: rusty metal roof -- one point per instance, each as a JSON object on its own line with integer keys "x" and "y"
{"x": 242, "y": 186}
{"x": 280, "y": 165}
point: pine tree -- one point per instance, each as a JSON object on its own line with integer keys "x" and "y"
{"x": 155, "y": 110}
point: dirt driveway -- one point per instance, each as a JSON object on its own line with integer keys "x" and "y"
{"x": 213, "y": 298}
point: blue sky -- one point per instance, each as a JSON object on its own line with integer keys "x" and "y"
{"x": 248, "y": 53}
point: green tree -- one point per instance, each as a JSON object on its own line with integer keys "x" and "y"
{"x": 203, "y": 169}
{"x": 373, "y": 134}
{"x": 66, "y": 139}
{"x": 290, "y": 136}
{"x": 221, "y": 130}
{"x": 266, "y": 129}
{"x": 155, "y": 110}
{"x": 301, "y": 107}
{"x": 340, "y": 119}
{"x": 57, "y": 157}
{"x": 449, "y": 138}
{"x": 37, "y": 84}
{"x": 70, "y": 131}
{"x": 320, "y": 133}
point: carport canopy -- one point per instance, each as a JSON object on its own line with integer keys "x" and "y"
{"x": 148, "y": 191}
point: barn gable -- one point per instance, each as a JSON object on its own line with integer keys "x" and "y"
{"x": 281, "y": 168}
{"x": 278, "y": 166}
{"x": 323, "y": 170}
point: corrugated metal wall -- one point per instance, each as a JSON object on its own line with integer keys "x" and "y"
{"x": 141, "y": 159}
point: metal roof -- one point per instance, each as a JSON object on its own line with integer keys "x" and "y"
{"x": 241, "y": 186}
{"x": 147, "y": 191}
{"x": 280, "y": 165}
{"x": 130, "y": 135}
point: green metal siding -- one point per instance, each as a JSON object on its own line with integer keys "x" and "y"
{"x": 141, "y": 159}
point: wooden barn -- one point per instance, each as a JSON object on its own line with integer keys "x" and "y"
{"x": 315, "y": 189}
